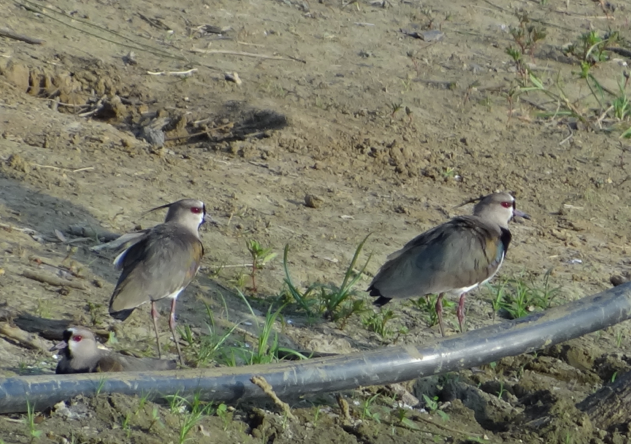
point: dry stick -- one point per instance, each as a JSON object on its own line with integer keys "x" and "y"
{"x": 6, "y": 32}
{"x": 23, "y": 230}
{"x": 269, "y": 391}
{"x": 344, "y": 408}
{"x": 52, "y": 280}
{"x": 444, "y": 427}
{"x": 65, "y": 269}
{"x": 245, "y": 54}
{"x": 250, "y": 44}
{"x": 23, "y": 338}
{"x": 62, "y": 169}
{"x": 201, "y": 133}
{"x": 174, "y": 73}
{"x": 40, "y": 10}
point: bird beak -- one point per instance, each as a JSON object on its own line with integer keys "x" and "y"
{"x": 521, "y": 214}
{"x": 60, "y": 346}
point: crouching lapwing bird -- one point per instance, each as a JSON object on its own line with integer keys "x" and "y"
{"x": 80, "y": 354}
{"x": 160, "y": 263}
{"x": 452, "y": 258}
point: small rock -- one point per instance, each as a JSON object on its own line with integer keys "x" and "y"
{"x": 233, "y": 77}
{"x": 617, "y": 280}
{"x": 432, "y": 36}
{"x": 18, "y": 74}
{"x": 153, "y": 136}
{"x": 313, "y": 201}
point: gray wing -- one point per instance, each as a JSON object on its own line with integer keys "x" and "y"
{"x": 161, "y": 264}
{"x": 457, "y": 254}
{"x": 119, "y": 363}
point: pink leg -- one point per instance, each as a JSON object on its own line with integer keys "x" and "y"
{"x": 172, "y": 327}
{"x": 154, "y": 316}
{"x": 439, "y": 312}
{"x": 460, "y": 312}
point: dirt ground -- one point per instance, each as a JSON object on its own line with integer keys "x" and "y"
{"x": 335, "y": 100}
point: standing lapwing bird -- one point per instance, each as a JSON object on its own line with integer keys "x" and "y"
{"x": 160, "y": 264}
{"x": 452, "y": 258}
{"x": 80, "y": 354}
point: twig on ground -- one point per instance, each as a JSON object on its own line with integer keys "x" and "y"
{"x": 62, "y": 169}
{"x": 245, "y": 54}
{"x": 201, "y": 133}
{"x": 28, "y": 340}
{"x": 269, "y": 391}
{"x": 188, "y": 73}
{"x": 52, "y": 280}
{"x": 22, "y": 230}
{"x": 6, "y": 32}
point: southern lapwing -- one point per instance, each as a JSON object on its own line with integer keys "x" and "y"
{"x": 452, "y": 258}
{"x": 80, "y": 354}
{"x": 160, "y": 264}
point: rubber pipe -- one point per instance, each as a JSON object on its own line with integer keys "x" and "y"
{"x": 383, "y": 366}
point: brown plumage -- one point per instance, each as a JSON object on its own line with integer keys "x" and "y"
{"x": 452, "y": 258}
{"x": 160, "y": 264}
{"x": 80, "y": 354}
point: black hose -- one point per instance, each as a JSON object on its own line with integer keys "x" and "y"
{"x": 384, "y": 366}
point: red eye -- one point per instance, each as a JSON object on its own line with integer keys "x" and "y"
{"x": 77, "y": 338}
{"x": 507, "y": 204}
{"x": 196, "y": 210}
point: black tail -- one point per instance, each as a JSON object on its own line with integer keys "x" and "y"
{"x": 381, "y": 299}
{"x": 121, "y": 315}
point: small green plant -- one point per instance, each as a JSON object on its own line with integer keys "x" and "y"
{"x": 316, "y": 416}
{"x": 519, "y": 298}
{"x": 619, "y": 337}
{"x": 377, "y": 322}
{"x": 155, "y": 418}
{"x": 432, "y": 405}
{"x": 22, "y": 367}
{"x": 500, "y": 393}
{"x": 427, "y": 305}
{"x": 207, "y": 347}
{"x": 125, "y": 425}
{"x": 30, "y": 422}
{"x": 333, "y": 302}
{"x": 448, "y": 173}
{"x": 348, "y": 309}
{"x": 260, "y": 256}
{"x": 401, "y": 414}
{"x": 100, "y": 385}
{"x": 177, "y": 404}
{"x": 94, "y": 310}
{"x": 305, "y": 299}
{"x": 396, "y": 107}
{"x": 568, "y": 438}
{"x": 266, "y": 352}
{"x": 497, "y": 291}
{"x": 333, "y": 297}
{"x": 222, "y": 412}
{"x": 238, "y": 280}
{"x": 526, "y": 37}
{"x": 621, "y": 105}
{"x": 366, "y": 412}
{"x": 189, "y": 420}
{"x": 591, "y": 48}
